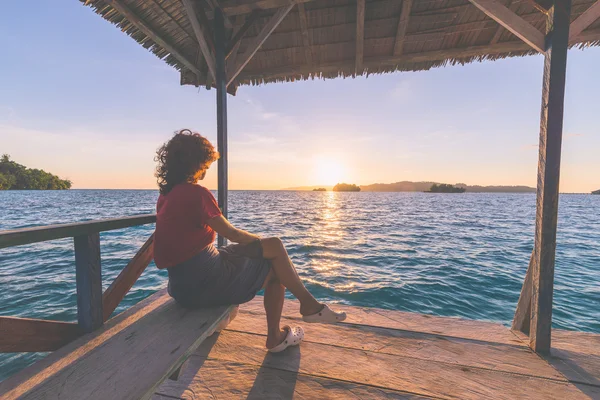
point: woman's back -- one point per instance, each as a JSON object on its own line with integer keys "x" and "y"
{"x": 181, "y": 230}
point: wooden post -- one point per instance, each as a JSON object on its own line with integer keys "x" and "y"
{"x": 89, "y": 281}
{"x": 221, "y": 83}
{"x": 553, "y": 96}
{"x": 522, "y": 316}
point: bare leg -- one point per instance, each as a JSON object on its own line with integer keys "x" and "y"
{"x": 286, "y": 274}
{"x": 273, "y": 302}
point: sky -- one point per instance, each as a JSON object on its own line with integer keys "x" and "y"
{"x": 81, "y": 99}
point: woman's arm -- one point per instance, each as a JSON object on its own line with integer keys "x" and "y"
{"x": 225, "y": 229}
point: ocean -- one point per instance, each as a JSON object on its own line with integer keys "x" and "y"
{"x": 462, "y": 255}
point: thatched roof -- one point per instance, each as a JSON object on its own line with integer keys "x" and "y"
{"x": 317, "y": 39}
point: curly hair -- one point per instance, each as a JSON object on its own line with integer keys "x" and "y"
{"x": 184, "y": 158}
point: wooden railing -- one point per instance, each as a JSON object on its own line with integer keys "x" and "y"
{"x": 93, "y": 306}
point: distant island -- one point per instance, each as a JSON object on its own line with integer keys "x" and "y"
{"x": 319, "y": 190}
{"x": 596, "y": 191}
{"x": 407, "y": 186}
{"x": 346, "y": 187}
{"x": 445, "y": 188}
{"x": 15, "y": 176}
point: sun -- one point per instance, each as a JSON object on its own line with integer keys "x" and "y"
{"x": 328, "y": 171}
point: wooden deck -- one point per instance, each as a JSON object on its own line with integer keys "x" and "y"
{"x": 379, "y": 354}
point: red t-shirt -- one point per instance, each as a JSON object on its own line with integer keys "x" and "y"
{"x": 181, "y": 230}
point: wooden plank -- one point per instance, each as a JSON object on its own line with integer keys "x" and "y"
{"x": 402, "y": 26}
{"x": 551, "y": 125}
{"x": 25, "y": 334}
{"x": 236, "y": 40}
{"x": 588, "y": 17}
{"x": 421, "y": 377}
{"x": 360, "y": 37}
{"x": 218, "y": 379}
{"x": 148, "y": 31}
{"x": 259, "y": 40}
{"x": 305, "y": 37}
{"x": 500, "y": 28}
{"x": 127, "y": 277}
{"x": 17, "y": 237}
{"x": 424, "y": 346}
{"x": 511, "y": 21}
{"x": 523, "y": 312}
{"x": 126, "y": 359}
{"x": 88, "y": 276}
{"x": 576, "y": 355}
{"x": 191, "y": 12}
{"x": 448, "y": 327}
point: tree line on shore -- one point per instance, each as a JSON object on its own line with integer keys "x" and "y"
{"x": 14, "y": 176}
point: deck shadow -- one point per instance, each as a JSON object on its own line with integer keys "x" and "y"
{"x": 284, "y": 384}
{"x": 579, "y": 368}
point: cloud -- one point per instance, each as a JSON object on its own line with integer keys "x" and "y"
{"x": 572, "y": 135}
{"x": 402, "y": 91}
{"x": 7, "y": 114}
{"x": 528, "y": 147}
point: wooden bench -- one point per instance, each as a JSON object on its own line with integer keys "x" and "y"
{"x": 127, "y": 358}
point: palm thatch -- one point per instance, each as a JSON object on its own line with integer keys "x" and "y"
{"x": 318, "y": 38}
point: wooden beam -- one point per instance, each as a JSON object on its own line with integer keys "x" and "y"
{"x": 25, "y": 334}
{"x": 588, "y": 17}
{"x": 360, "y": 37}
{"x": 523, "y": 312}
{"x": 500, "y": 28}
{"x": 222, "y": 139}
{"x": 305, "y": 37}
{"x": 541, "y": 5}
{"x": 37, "y": 234}
{"x": 190, "y": 10}
{"x": 551, "y": 127}
{"x": 402, "y": 26}
{"x": 236, "y": 40}
{"x": 237, "y": 7}
{"x": 232, "y": 59}
{"x": 259, "y": 40}
{"x": 215, "y": 4}
{"x": 148, "y": 31}
{"x": 511, "y": 21}
{"x": 127, "y": 277}
{"x": 88, "y": 278}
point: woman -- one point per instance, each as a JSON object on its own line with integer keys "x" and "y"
{"x": 187, "y": 221}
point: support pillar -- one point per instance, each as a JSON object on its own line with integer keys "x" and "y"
{"x": 221, "y": 84}
{"x": 88, "y": 277}
{"x": 551, "y": 126}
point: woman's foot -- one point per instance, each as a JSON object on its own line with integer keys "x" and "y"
{"x": 309, "y": 309}
{"x": 275, "y": 338}
{"x": 324, "y": 316}
{"x": 291, "y": 337}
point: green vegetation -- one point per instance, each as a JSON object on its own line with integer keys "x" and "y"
{"x": 346, "y": 187}
{"x": 15, "y": 176}
{"x": 319, "y": 190}
{"x": 445, "y": 188}
{"x": 596, "y": 192}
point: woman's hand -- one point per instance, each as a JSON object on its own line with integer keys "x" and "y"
{"x": 224, "y": 228}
